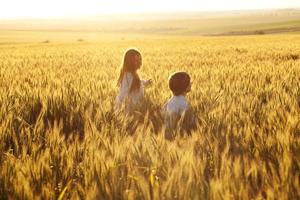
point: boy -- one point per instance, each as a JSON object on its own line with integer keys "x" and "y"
{"x": 177, "y": 113}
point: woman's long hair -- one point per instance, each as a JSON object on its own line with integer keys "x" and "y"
{"x": 129, "y": 65}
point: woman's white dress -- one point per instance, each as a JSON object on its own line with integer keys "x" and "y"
{"x": 126, "y": 98}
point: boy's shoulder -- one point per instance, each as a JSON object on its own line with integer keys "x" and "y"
{"x": 183, "y": 103}
{"x": 176, "y": 104}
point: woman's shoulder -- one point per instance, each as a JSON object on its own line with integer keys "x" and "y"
{"x": 127, "y": 76}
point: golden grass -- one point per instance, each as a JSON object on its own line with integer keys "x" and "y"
{"x": 59, "y": 138}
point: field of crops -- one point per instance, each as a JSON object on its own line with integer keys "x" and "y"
{"x": 59, "y": 137}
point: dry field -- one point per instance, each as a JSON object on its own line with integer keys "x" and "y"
{"x": 59, "y": 138}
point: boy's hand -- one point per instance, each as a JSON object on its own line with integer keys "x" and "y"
{"x": 148, "y": 82}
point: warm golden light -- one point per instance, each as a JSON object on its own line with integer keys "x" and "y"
{"x": 68, "y": 8}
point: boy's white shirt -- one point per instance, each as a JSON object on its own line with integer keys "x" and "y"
{"x": 127, "y": 97}
{"x": 176, "y": 106}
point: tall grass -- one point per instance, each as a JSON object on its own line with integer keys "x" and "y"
{"x": 59, "y": 137}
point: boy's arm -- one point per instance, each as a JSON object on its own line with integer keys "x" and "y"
{"x": 171, "y": 125}
{"x": 188, "y": 121}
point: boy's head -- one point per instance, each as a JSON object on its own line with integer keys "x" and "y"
{"x": 179, "y": 83}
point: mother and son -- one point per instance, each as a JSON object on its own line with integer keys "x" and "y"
{"x": 131, "y": 92}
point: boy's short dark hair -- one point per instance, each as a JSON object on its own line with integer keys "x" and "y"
{"x": 179, "y": 82}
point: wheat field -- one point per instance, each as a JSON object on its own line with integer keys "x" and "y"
{"x": 59, "y": 137}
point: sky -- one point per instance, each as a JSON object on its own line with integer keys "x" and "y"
{"x": 16, "y": 9}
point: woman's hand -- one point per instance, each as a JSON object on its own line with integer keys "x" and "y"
{"x": 148, "y": 82}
